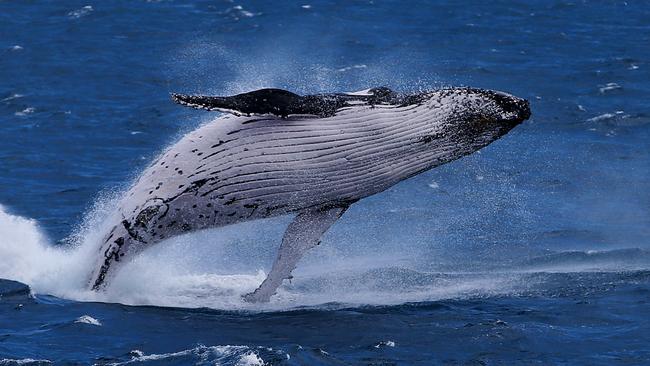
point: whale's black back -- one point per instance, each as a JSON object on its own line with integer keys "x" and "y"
{"x": 284, "y": 103}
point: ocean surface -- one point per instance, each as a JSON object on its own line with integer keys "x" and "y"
{"x": 536, "y": 250}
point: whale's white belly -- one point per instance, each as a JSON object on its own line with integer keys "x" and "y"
{"x": 237, "y": 168}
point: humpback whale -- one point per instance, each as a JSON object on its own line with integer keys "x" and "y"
{"x": 277, "y": 153}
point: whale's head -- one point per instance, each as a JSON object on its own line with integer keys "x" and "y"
{"x": 467, "y": 119}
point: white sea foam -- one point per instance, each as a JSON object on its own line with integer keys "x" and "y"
{"x": 23, "y": 362}
{"x": 214, "y": 355}
{"x": 388, "y": 343}
{"x": 250, "y": 359}
{"x": 24, "y": 249}
{"x": 32, "y": 259}
{"x": 607, "y": 116}
{"x": 76, "y": 14}
{"x": 12, "y": 97}
{"x": 353, "y": 67}
{"x": 608, "y": 87}
{"x": 26, "y": 111}
{"x": 210, "y": 269}
{"x": 87, "y": 319}
{"x": 182, "y": 272}
{"x": 136, "y": 353}
{"x": 238, "y": 11}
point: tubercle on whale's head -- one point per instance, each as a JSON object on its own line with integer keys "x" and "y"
{"x": 511, "y": 110}
{"x": 473, "y": 118}
{"x": 491, "y": 110}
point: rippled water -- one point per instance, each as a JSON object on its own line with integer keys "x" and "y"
{"x": 534, "y": 251}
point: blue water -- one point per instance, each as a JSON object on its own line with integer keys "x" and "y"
{"x": 534, "y": 251}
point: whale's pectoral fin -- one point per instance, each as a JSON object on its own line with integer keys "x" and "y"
{"x": 264, "y": 101}
{"x": 303, "y": 233}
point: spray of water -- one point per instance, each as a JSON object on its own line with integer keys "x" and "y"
{"x": 362, "y": 260}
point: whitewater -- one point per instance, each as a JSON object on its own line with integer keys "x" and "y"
{"x": 180, "y": 272}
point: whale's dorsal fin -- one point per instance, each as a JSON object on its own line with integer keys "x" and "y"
{"x": 283, "y": 103}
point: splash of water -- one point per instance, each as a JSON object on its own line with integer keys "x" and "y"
{"x": 213, "y": 268}
{"x": 33, "y": 259}
{"x": 182, "y": 272}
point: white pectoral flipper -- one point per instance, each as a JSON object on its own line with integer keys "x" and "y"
{"x": 303, "y": 233}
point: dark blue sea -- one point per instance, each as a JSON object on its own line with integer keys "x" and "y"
{"x": 533, "y": 251}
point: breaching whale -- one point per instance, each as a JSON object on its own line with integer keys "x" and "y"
{"x": 278, "y": 153}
